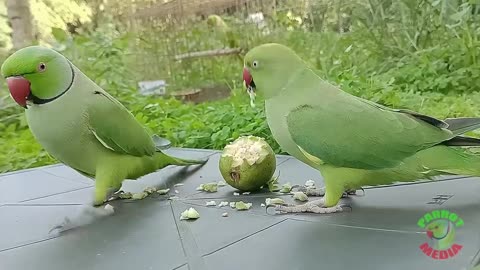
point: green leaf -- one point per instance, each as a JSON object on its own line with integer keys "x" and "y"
{"x": 458, "y": 16}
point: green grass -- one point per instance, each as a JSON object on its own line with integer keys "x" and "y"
{"x": 419, "y": 55}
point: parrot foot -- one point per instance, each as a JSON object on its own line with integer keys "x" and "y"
{"x": 64, "y": 226}
{"x": 115, "y": 195}
{"x": 311, "y": 191}
{"x": 320, "y": 192}
{"x": 316, "y": 207}
{"x": 87, "y": 215}
{"x": 353, "y": 192}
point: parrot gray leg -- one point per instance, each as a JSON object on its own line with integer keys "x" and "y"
{"x": 320, "y": 192}
{"x": 88, "y": 214}
{"x": 309, "y": 191}
{"x": 316, "y": 207}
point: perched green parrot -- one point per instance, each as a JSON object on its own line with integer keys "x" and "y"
{"x": 80, "y": 124}
{"x": 216, "y": 23}
{"x": 352, "y": 142}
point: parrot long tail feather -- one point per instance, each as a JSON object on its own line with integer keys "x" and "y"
{"x": 135, "y": 167}
{"x": 462, "y": 141}
{"x": 451, "y": 160}
{"x": 161, "y": 143}
{"x": 462, "y": 125}
{"x": 163, "y": 160}
{"x": 186, "y": 162}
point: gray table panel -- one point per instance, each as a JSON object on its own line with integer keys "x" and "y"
{"x": 23, "y": 186}
{"x": 140, "y": 235}
{"x": 308, "y": 245}
{"x": 380, "y": 232}
{"x": 212, "y": 231}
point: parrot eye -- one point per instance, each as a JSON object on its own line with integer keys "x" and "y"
{"x": 42, "y": 67}
{"x": 255, "y": 64}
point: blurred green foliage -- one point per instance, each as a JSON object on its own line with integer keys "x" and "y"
{"x": 47, "y": 14}
{"x": 421, "y": 55}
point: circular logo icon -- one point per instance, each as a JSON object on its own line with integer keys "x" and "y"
{"x": 440, "y": 227}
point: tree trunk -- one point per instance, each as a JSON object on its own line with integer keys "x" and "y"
{"x": 20, "y": 19}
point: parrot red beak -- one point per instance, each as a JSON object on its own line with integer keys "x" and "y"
{"x": 19, "y": 89}
{"x": 430, "y": 234}
{"x": 248, "y": 79}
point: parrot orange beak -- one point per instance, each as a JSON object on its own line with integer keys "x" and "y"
{"x": 248, "y": 79}
{"x": 429, "y": 234}
{"x": 19, "y": 88}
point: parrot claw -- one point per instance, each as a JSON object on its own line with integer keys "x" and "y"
{"x": 353, "y": 192}
{"x": 275, "y": 205}
{"x": 65, "y": 226}
{"x": 87, "y": 215}
{"x": 113, "y": 196}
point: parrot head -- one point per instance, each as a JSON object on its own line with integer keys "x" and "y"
{"x": 439, "y": 229}
{"x": 213, "y": 20}
{"x": 268, "y": 68}
{"x": 37, "y": 75}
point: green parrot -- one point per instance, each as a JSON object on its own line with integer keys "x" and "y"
{"x": 80, "y": 124}
{"x": 352, "y": 142}
{"x": 442, "y": 233}
{"x": 216, "y": 23}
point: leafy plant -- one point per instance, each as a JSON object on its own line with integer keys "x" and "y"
{"x": 419, "y": 55}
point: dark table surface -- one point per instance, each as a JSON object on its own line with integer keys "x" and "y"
{"x": 380, "y": 233}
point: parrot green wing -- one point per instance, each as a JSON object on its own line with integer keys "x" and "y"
{"x": 116, "y": 128}
{"x": 355, "y": 133}
{"x": 431, "y": 120}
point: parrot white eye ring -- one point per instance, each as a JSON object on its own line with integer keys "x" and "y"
{"x": 255, "y": 64}
{"x": 42, "y": 67}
